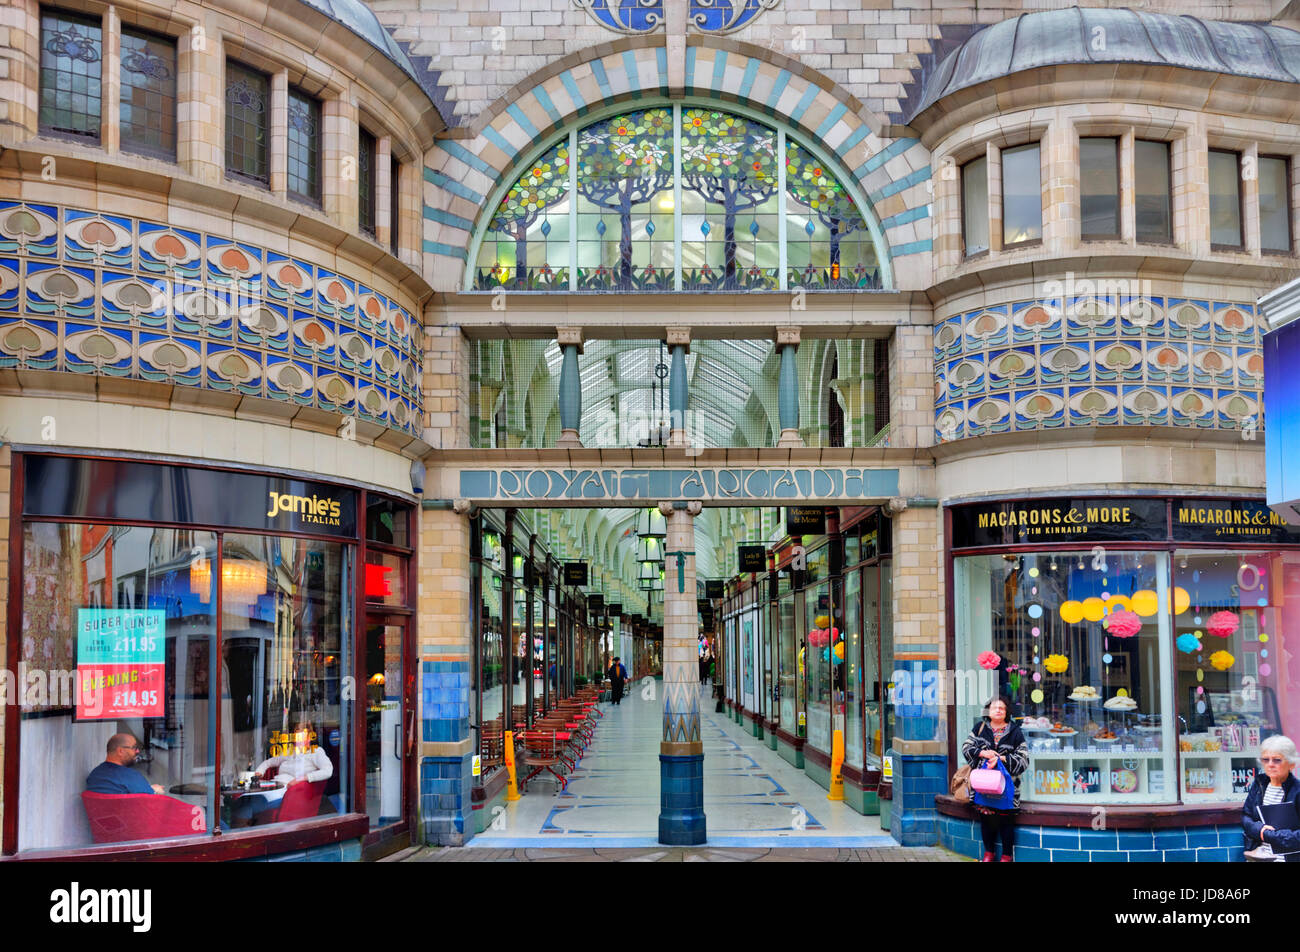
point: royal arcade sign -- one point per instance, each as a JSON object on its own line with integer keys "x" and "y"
{"x": 641, "y": 485}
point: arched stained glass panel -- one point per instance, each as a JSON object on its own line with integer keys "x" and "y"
{"x": 526, "y": 245}
{"x": 678, "y": 198}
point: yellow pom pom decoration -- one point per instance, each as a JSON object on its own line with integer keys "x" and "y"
{"x": 1056, "y": 663}
{"x": 1222, "y": 660}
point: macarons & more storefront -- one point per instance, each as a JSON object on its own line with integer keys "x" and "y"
{"x": 1142, "y": 643}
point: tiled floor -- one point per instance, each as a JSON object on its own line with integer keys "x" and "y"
{"x": 752, "y": 798}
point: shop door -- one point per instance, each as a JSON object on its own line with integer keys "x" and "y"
{"x": 388, "y": 731}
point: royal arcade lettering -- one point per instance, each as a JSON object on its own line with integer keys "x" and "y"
{"x": 716, "y": 484}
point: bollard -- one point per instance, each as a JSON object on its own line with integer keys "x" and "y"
{"x": 512, "y": 787}
{"x": 837, "y": 767}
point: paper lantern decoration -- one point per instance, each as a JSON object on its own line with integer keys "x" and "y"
{"x": 988, "y": 660}
{"x": 835, "y": 634}
{"x": 1123, "y": 624}
{"x": 1188, "y": 643}
{"x": 1093, "y": 609}
{"x": 1119, "y": 601}
{"x": 822, "y": 621}
{"x": 1222, "y": 624}
{"x": 1071, "y": 612}
{"x": 1181, "y": 600}
{"x": 839, "y": 651}
{"x": 1056, "y": 663}
{"x": 819, "y": 637}
{"x": 1145, "y": 602}
{"x": 1222, "y": 661}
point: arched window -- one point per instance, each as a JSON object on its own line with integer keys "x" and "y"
{"x": 834, "y": 412}
{"x": 678, "y": 198}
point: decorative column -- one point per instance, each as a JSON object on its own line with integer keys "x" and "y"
{"x": 787, "y": 342}
{"x": 681, "y": 754}
{"x": 570, "y": 341}
{"x": 679, "y": 343}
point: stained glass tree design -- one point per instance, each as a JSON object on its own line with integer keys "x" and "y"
{"x": 544, "y": 183}
{"x": 623, "y": 162}
{"x": 812, "y": 185}
{"x": 729, "y": 161}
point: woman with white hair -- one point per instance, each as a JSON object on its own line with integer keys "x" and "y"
{"x": 1275, "y": 785}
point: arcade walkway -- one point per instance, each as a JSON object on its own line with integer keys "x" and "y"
{"x": 752, "y": 797}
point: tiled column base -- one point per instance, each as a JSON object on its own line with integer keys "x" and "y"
{"x": 918, "y": 779}
{"x": 1044, "y": 844}
{"x": 445, "y": 807}
{"x": 681, "y": 800}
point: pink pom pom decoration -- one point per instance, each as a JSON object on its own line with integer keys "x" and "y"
{"x": 988, "y": 660}
{"x": 819, "y": 637}
{"x": 1124, "y": 624}
{"x": 1222, "y": 624}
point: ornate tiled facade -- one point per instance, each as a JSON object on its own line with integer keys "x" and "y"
{"x": 1112, "y": 360}
{"x": 91, "y": 293}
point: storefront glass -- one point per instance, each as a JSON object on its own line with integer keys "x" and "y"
{"x": 1079, "y": 641}
{"x": 492, "y": 659}
{"x": 1235, "y": 685}
{"x": 852, "y": 664}
{"x": 790, "y": 675}
{"x": 817, "y": 663}
{"x": 100, "y": 602}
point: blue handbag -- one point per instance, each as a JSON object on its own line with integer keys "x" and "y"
{"x": 1006, "y": 800}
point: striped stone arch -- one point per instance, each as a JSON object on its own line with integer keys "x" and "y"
{"x": 464, "y": 171}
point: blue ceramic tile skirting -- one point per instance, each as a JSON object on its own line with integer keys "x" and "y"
{"x": 1221, "y": 844}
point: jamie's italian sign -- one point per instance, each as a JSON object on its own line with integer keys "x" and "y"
{"x": 119, "y": 663}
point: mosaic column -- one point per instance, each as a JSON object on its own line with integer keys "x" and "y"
{"x": 787, "y": 342}
{"x": 679, "y": 343}
{"x": 570, "y": 341}
{"x": 681, "y": 754}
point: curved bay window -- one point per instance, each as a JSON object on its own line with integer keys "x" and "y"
{"x": 190, "y": 635}
{"x": 678, "y": 197}
{"x": 1145, "y": 665}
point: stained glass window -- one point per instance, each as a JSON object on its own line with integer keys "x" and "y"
{"x": 366, "y": 183}
{"x": 677, "y": 198}
{"x": 527, "y": 242}
{"x": 304, "y": 146}
{"x": 147, "y": 115}
{"x": 247, "y": 102}
{"x": 71, "y": 95}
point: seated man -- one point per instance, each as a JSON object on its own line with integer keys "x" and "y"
{"x": 115, "y": 775}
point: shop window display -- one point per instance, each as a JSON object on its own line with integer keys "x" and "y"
{"x": 1233, "y": 680}
{"x": 1079, "y": 641}
{"x": 790, "y": 677}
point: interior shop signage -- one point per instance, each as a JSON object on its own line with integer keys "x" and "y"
{"x": 575, "y": 573}
{"x": 805, "y": 520}
{"x": 751, "y": 558}
{"x": 711, "y": 484}
{"x": 120, "y": 663}
{"x": 151, "y": 492}
{"x": 1059, "y": 520}
{"x": 1245, "y": 520}
{"x": 713, "y": 588}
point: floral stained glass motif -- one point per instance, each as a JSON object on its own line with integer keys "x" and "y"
{"x": 526, "y": 246}
{"x": 147, "y": 120}
{"x": 625, "y": 181}
{"x": 632, "y": 172}
{"x": 828, "y": 242}
{"x": 71, "y": 96}
{"x": 730, "y": 215}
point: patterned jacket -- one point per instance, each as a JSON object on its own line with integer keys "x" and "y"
{"x": 1012, "y": 748}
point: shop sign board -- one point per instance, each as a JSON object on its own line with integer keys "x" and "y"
{"x": 1237, "y": 520}
{"x": 832, "y": 484}
{"x": 616, "y": 608}
{"x": 596, "y": 601}
{"x": 752, "y": 558}
{"x": 120, "y": 666}
{"x": 1067, "y": 519}
{"x": 714, "y": 588}
{"x": 575, "y": 573}
{"x": 805, "y": 520}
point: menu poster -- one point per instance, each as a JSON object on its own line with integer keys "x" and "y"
{"x": 120, "y": 667}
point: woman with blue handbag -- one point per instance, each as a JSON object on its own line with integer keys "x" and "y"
{"x": 997, "y": 754}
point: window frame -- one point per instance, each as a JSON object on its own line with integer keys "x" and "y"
{"x": 367, "y": 202}
{"x": 394, "y": 204}
{"x": 316, "y": 150}
{"x": 968, "y": 255}
{"x": 1290, "y": 210}
{"x": 1241, "y": 201}
{"x": 134, "y": 148}
{"x": 233, "y": 174}
{"x": 43, "y": 128}
{"x": 1037, "y": 146}
{"x": 1168, "y": 240}
{"x": 1119, "y": 189}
